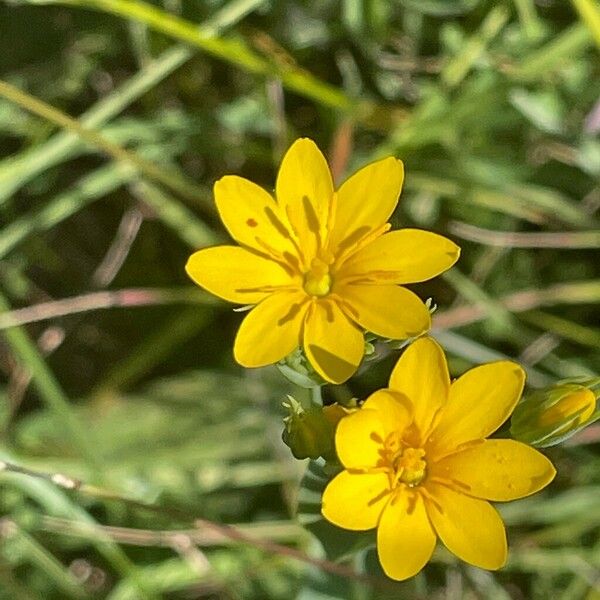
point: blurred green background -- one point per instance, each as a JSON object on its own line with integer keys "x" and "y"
{"x": 115, "y": 370}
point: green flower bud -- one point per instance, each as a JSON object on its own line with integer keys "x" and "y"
{"x": 310, "y": 432}
{"x": 551, "y": 415}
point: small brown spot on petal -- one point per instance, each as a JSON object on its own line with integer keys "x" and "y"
{"x": 251, "y": 223}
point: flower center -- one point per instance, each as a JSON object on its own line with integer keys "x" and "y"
{"x": 406, "y": 464}
{"x": 317, "y": 282}
{"x": 410, "y": 466}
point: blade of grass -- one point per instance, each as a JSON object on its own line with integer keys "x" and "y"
{"x": 494, "y": 309}
{"x": 12, "y": 586}
{"x": 16, "y": 172}
{"x": 528, "y": 16}
{"x": 555, "y": 54}
{"x": 95, "y": 186}
{"x": 575, "y": 292}
{"x": 477, "y": 353}
{"x": 153, "y": 349}
{"x": 34, "y": 553}
{"x": 57, "y": 502}
{"x": 171, "y": 179}
{"x": 530, "y": 203}
{"x": 91, "y": 188}
{"x": 509, "y": 239}
{"x": 233, "y": 51}
{"x": 566, "y": 329}
{"x": 459, "y": 66}
{"x": 50, "y": 391}
{"x": 176, "y": 216}
{"x": 507, "y": 325}
{"x": 589, "y": 12}
{"x": 28, "y": 479}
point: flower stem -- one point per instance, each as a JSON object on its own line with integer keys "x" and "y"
{"x": 315, "y": 395}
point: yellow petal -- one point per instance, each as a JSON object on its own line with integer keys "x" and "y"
{"x": 393, "y": 409}
{"x": 236, "y": 274}
{"x": 271, "y": 330}
{"x": 304, "y": 191}
{"x": 403, "y": 256}
{"x": 498, "y": 470}
{"x": 405, "y": 538}
{"x": 366, "y": 200}
{"x": 355, "y": 500}
{"x": 478, "y": 403}
{"x": 470, "y": 528}
{"x": 333, "y": 344}
{"x": 421, "y": 374}
{"x": 387, "y": 310}
{"x": 358, "y": 439}
{"x": 251, "y": 215}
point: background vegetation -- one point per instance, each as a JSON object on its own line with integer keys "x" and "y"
{"x": 115, "y": 371}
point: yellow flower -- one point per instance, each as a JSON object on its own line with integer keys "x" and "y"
{"x": 418, "y": 466}
{"x": 318, "y": 263}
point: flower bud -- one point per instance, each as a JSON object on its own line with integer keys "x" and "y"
{"x": 310, "y": 432}
{"x": 551, "y": 415}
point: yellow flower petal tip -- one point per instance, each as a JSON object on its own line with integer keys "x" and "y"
{"x": 319, "y": 264}
{"x": 418, "y": 466}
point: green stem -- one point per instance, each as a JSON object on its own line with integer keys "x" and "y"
{"x": 315, "y": 395}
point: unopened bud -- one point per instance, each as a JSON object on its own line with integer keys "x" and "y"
{"x": 310, "y": 432}
{"x": 551, "y": 415}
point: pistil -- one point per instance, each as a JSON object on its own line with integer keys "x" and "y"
{"x": 318, "y": 282}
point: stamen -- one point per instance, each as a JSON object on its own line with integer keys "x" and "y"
{"x": 379, "y": 497}
{"x": 311, "y": 216}
{"x": 367, "y": 470}
{"x": 293, "y": 260}
{"x": 353, "y": 238}
{"x": 329, "y": 311}
{"x": 343, "y": 304}
{"x": 312, "y": 221}
{"x": 459, "y": 448}
{"x": 412, "y": 503}
{"x": 331, "y": 216}
{"x": 362, "y": 242}
{"x": 372, "y": 277}
{"x": 266, "y": 289}
{"x": 283, "y": 230}
{"x": 273, "y": 254}
{"x": 296, "y": 238}
{"x": 279, "y": 226}
{"x": 429, "y": 497}
{"x": 397, "y": 493}
{"x": 427, "y": 435}
{"x": 453, "y": 484}
{"x": 292, "y": 312}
